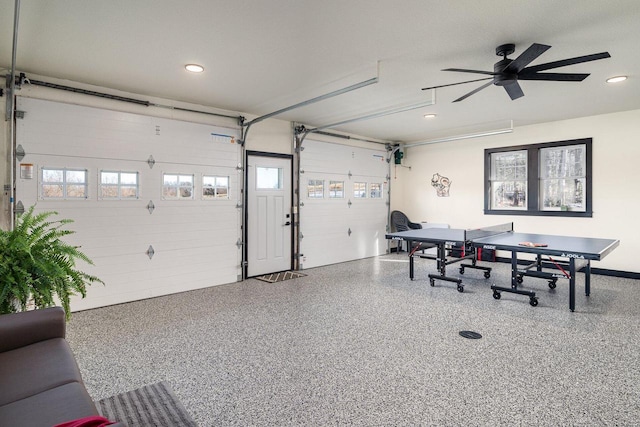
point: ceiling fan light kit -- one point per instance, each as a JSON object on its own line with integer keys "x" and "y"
{"x": 507, "y": 72}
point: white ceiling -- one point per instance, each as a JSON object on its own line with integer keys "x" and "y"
{"x": 264, "y": 55}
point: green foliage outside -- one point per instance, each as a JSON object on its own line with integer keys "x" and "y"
{"x": 36, "y": 264}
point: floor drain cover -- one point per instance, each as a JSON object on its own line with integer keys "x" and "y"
{"x": 470, "y": 334}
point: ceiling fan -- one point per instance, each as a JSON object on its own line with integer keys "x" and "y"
{"x": 507, "y": 72}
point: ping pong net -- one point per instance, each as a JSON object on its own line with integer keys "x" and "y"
{"x": 488, "y": 231}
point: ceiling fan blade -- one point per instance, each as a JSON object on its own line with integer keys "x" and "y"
{"x": 463, "y": 70}
{"x": 455, "y": 84}
{"x": 558, "y": 77}
{"x": 526, "y": 57}
{"x": 473, "y": 91}
{"x": 514, "y": 90}
{"x": 565, "y": 62}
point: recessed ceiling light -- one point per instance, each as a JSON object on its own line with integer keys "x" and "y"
{"x": 194, "y": 68}
{"x": 616, "y": 79}
{"x": 429, "y": 116}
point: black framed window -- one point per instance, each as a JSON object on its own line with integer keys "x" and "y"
{"x": 548, "y": 179}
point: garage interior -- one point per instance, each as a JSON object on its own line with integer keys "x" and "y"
{"x": 325, "y": 101}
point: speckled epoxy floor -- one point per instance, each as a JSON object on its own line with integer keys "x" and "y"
{"x": 360, "y": 344}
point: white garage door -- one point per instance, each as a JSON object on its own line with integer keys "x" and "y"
{"x": 154, "y": 201}
{"x": 343, "y": 193}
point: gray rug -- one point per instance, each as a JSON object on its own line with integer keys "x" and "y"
{"x": 151, "y": 405}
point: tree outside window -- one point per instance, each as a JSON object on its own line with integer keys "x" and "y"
{"x": 549, "y": 179}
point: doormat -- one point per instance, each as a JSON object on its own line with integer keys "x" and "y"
{"x": 151, "y": 405}
{"x": 280, "y": 277}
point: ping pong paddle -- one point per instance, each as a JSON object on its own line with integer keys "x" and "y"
{"x": 533, "y": 245}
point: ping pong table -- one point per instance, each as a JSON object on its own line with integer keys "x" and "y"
{"x": 579, "y": 251}
{"x": 444, "y": 239}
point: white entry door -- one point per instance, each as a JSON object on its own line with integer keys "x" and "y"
{"x": 269, "y": 218}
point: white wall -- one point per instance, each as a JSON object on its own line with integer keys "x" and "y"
{"x": 271, "y": 135}
{"x": 616, "y": 178}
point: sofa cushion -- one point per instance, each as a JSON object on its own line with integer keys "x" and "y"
{"x": 35, "y": 368}
{"x": 28, "y": 327}
{"x": 59, "y": 404}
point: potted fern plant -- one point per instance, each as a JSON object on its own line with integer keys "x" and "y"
{"x": 37, "y": 266}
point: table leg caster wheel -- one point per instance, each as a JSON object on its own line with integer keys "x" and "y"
{"x": 461, "y": 270}
{"x": 552, "y": 284}
{"x": 496, "y": 295}
{"x": 487, "y": 274}
{"x": 432, "y": 282}
{"x": 460, "y": 288}
{"x": 533, "y": 301}
{"x": 519, "y": 279}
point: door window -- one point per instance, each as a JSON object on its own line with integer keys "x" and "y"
{"x": 268, "y": 178}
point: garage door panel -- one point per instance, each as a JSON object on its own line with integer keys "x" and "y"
{"x": 180, "y": 278}
{"x": 315, "y": 251}
{"x": 347, "y": 228}
{"x": 121, "y": 268}
{"x": 369, "y": 163}
{"x": 194, "y": 240}
{"x": 155, "y": 289}
{"x": 325, "y": 157}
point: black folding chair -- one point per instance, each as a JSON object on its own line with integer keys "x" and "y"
{"x": 400, "y": 222}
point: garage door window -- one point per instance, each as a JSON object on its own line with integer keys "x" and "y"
{"x": 62, "y": 183}
{"x": 360, "y": 190}
{"x": 177, "y": 187}
{"x": 375, "y": 188}
{"x": 315, "y": 189}
{"x": 215, "y": 187}
{"x": 336, "y": 189}
{"x": 119, "y": 185}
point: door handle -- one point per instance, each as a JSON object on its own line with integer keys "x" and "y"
{"x": 287, "y": 223}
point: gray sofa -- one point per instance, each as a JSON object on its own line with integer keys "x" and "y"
{"x": 40, "y": 383}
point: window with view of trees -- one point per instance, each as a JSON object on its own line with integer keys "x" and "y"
{"x": 336, "y": 189}
{"x": 508, "y": 180}
{"x": 118, "y": 185}
{"x": 375, "y": 190}
{"x": 178, "y": 187}
{"x": 315, "y": 189}
{"x": 359, "y": 190}
{"x": 563, "y": 178}
{"x": 63, "y": 183}
{"x": 215, "y": 187}
{"x": 552, "y": 179}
